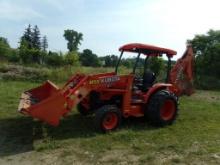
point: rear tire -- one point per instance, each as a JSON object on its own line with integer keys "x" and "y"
{"x": 107, "y": 118}
{"x": 162, "y": 109}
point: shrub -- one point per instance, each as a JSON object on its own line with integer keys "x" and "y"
{"x": 14, "y": 56}
{"x": 4, "y": 49}
{"x": 207, "y": 82}
{"x": 54, "y": 59}
{"x": 71, "y": 58}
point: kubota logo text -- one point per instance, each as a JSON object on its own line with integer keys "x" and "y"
{"x": 104, "y": 80}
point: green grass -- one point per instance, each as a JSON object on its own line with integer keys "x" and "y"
{"x": 193, "y": 139}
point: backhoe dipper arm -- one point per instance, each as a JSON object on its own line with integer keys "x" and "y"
{"x": 181, "y": 75}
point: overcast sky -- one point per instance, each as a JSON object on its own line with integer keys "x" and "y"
{"x": 106, "y": 25}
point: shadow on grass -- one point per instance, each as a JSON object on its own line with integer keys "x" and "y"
{"x": 18, "y": 134}
{"x": 77, "y": 126}
{"x": 73, "y": 126}
{"x": 15, "y": 135}
{"x": 136, "y": 124}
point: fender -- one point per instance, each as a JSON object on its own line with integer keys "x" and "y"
{"x": 159, "y": 86}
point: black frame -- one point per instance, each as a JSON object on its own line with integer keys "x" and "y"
{"x": 145, "y": 64}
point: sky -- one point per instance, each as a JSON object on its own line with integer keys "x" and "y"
{"x": 107, "y": 25}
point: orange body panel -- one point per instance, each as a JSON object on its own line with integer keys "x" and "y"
{"x": 52, "y": 103}
{"x": 45, "y": 102}
{"x": 49, "y": 110}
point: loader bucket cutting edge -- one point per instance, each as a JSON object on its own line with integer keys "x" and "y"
{"x": 45, "y": 102}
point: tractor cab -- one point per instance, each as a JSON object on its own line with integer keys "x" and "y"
{"x": 144, "y": 78}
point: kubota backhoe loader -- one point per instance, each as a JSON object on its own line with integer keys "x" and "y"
{"x": 113, "y": 97}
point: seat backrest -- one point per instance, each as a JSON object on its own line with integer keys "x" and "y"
{"x": 148, "y": 80}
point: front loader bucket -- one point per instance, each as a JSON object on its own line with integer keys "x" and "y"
{"x": 45, "y": 102}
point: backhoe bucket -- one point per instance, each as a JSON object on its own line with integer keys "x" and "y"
{"x": 45, "y": 102}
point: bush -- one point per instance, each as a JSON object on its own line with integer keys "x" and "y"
{"x": 207, "y": 82}
{"x": 40, "y": 74}
{"x": 88, "y": 58}
{"x": 17, "y": 72}
{"x": 14, "y": 56}
{"x": 71, "y": 58}
{"x": 25, "y": 56}
{"x": 54, "y": 59}
{"x": 4, "y": 49}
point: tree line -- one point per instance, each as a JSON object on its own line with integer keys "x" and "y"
{"x": 33, "y": 49}
{"x": 207, "y": 59}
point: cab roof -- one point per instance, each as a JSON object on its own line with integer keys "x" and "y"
{"x": 147, "y": 49}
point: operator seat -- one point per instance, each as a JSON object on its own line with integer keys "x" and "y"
{"x": 148, "y": 80}
{"x": 142, "y": 85}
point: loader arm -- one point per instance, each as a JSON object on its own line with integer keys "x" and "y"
{"x": 181, "y": 75}
{"x": 49, "y": 103}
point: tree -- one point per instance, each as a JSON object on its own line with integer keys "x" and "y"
{"x": 24, "y": 51}
{"x": 35, "y": 38}
{"x": 30, "y": 46}
{"x": 107, "y": 61}
{"x": 128, "y": 62}
{"x": 71, "y": 58}
{"x": 87, "y": 58}
{"x": 4, "y": 48}
{"x": 207, "y": 50}
{"x": 44, "y": 46}
{"x": 156, "y": 64}
{"x": 14, "y": 55}
{"x": 44, "y": 43}
{"x": 35, "y": 52}
{"x": 110, "y": 60}
{"x": 4, "y": 41}
{"x": 74, "y": 39}
{"x": 27, "y": 36}
{"x": 32, "y": 37}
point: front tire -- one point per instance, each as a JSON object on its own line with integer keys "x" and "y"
{"x": 107, "y": 118}
{"x": 162, "y": 109}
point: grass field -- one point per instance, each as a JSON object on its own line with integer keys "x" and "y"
{"x": 193, "y": 139}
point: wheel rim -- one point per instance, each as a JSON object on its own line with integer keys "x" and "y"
{"x": 110, "y": 121}
{"x": 167, "y": 111}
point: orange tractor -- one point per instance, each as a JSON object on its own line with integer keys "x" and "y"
{"x": 112, "y": 97}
